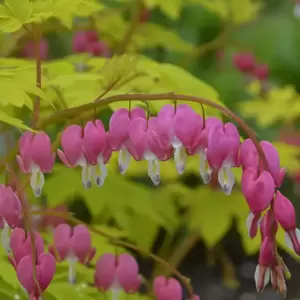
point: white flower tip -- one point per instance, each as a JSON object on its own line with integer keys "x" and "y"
{"x": 205, "y": 177}
{"x": 99, "y": 181}
{"x": 87, "y": 184}
{"x": 37, "y": 192}
{"x": 227, "y": 189}
{"x": 122, "y": 169}
{"x": 155, "y": 179}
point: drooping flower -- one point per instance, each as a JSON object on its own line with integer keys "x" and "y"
{"x": 117, "y": 273}
{"x": 29, "y": 49}
{"x": 10, "y": 213}
{"x": 118, "y": 134}
{"x": 187, "y": 132}
{"x": 167, "y": 289}
{"x": 80, "y": 42}
{"x": 268, "y": 225}
{"x": 72, "y": 245}
{"x": 21, "y": 246}
{"x": 223, "y": 153}
{"x": 285, "y": 215}
{"x": 267, "y": 258}
{"x": 36, "y": 157}
{"x": 45, "y": 270}
{"x": 73, "y": 154}
{"x": 96, "y": 150}
{"x": 244, "y": 62}
{"x": 99, "y": 48}
{"x": 258, "y": 190}
{"x": 249, "y": 158}
{"x": 261, "y": 71}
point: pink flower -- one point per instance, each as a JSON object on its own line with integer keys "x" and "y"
{"x": 285, "y": 215}
{"x": 10, "y": 213}
{"x": 29, "y": 50}
{"x": 167, "y": 289}
{"x": 96, "y": 150}
{"x": 45, "y": 269}
{"x": 91, "y": 36}
{"x": 258, "y": 190}
{"x": 266, "y": 260}
{"x": 72, "y": 245}
{"x": 36, "y": 157}
{"x": 222, "y": 153}
{"x": 187, "y": 135}
{"x": 261, "y": 71}
{"x": 244, "y": 62}
{"x": 73, "y": 152}
{"x": 80, "y": 42}
{"x": 98, "y": 48}
{"x": 20, "y": 244}
{"x": 268, "y": 226}
{"x": 249, "y": 158}
{"x": 118, "y": 134}
{"x": 117, "y": 273}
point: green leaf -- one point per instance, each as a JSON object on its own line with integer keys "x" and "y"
{"x": 153, "y": 35}
{"x": 62, "y": 291}
{"x": 181, "y": 81}
{"x": 8, "y": 274}
{"x": 207, "y": 206}
{"x": 13, "y": 121}
{"x": 20, "y": 9}
{"x": 142, "y": 231}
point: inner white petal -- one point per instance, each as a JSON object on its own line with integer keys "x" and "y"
{"x": 226, "y": 179}
{"x": 180, "y": 158}
{"x": 72, "y": 260}
{"x": 123, "y": 160}
{"x": 37, "y": 180}
{"x": 99, "y": 172}
{"x": 5, "y": 237}
{"x": 153, "y": 167}
{"x": 205, "y": 170}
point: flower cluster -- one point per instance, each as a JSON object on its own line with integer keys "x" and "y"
{"x": 88, "y": 42}
{"x": 29, "y": 49}
{"x": 245, "y": 63}
{"x": 112, "y": 273}
{"x": 175, "y": 133}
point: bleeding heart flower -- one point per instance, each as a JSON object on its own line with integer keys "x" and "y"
{"x": 117, "y": 273}
{"x": 96, "y": 150}
{"x": 72, "y": 245}
{"x": 21, "y": 246}
{"x": 10, "y": 214}
{"x": 167, "y": 289}
{"x": 118, "y": 134}
{"x": 36, "y": 157}
{"x": 45, "y": 270}
{"x": 222, "y": 153}
{"x": 258, "y": 190}
{"x": 285, "y": 215}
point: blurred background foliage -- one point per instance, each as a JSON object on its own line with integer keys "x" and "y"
{"x": 184, "y": 46}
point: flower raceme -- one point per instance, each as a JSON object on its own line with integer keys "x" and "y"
{"x": 176, "y": 132}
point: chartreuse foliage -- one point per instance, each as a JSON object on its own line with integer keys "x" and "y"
{"x": 139, "y": 211}
{"x": 279, "y": 104}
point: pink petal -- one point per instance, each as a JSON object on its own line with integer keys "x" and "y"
{"x": 41, "y": 152}
{"x": 105, "y": 271}
{"x": 167, "y": 110}
{"x": 137, "y": 112}
{"x": 10, "y": 207}
{"x": 158, "y": 283}
{"x": 62, "y": 239}
{"x": 187, "y": 126}
{"x": 71, "y": 142}
{"x": 21, "y": 245}
{"x": 118, "y": 128}
{"x": 172, "y": 291}
{"x": 258, "y": 190}
{"x": 94, "y": 140}
{"x": 45, "y": 272}
{"x": 128, "y": 272}
{"x": 81, "y": 242}
{"x": 138, "y": 137}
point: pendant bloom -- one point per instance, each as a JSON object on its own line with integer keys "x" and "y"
{"x": 36, "y": 158}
